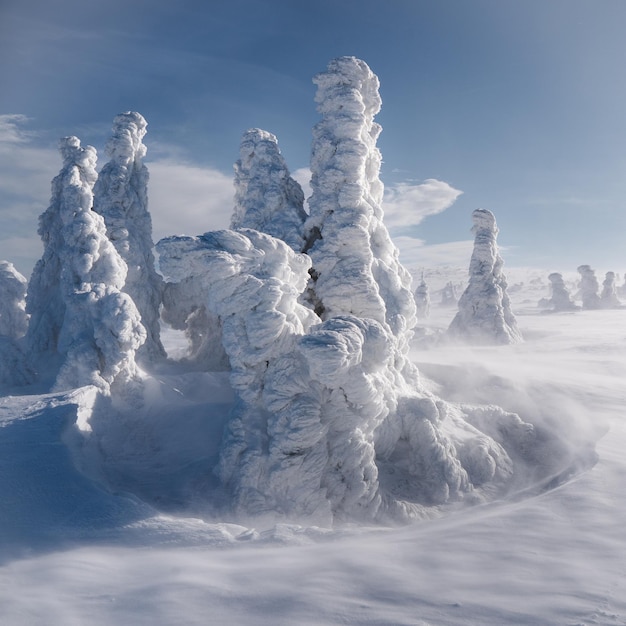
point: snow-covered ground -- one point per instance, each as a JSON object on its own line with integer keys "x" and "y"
{"x": 149, "y": 550}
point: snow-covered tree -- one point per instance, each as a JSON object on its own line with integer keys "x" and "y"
{"x": 608, "y": 297}
{"x": 484, "y": 313}
{"x": 13, "y": 317}
{"x": 589, "y": 287}
{"x": 121, "y": 197}
{"x": 356, "y": 270}
{"x": 267, "y": 198}
{"x": 560, "y": 299}
{"x": 87, "y": 330}
{"x": 422, "y": 299}
{"x": 449, "y": 297}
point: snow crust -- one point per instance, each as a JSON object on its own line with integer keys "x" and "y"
{"x": 485, "y": 313}
{"x": 121, "y": 197}
{"x": 267, "y": 198}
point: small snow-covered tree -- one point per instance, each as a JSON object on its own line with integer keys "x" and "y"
{"x": 589, "y": 287}
{"x": 267, "y": 198}
{"x": 13, "y": 317}
{"x": 560, "y": 299}
{"x": 121, "y": 197}
{"x": 449, "y": 295}
{"x": 608, "y": 297}
{"x": 422, "y": 299}
{"x": 88, "y": 329}
{"x": 484, "y": 309}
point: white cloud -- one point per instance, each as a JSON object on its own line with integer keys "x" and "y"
{"x": 407, "y": 204}
{"x": 10, "y": 131}
{"x": 187, "y": 199}
{"x": 303, "y": 176}
{"x": 414, "y": 253}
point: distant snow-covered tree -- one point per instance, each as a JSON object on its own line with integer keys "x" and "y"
{"x": 121, "y": 197}
{"x": 589, "y": 287}
{"x": 87, "y": 329}
{"x": 267, "y": 198}
{"x": 13, "y": 317}
{"x": 608, "y": 297}
{"x": 560, "y": 299}
{"x": 449, "y": 297}
{"x": 484, "y": 313}
{"x": 422, "y": 299}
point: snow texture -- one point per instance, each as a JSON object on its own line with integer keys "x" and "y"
{"x": 560, "y": 299}
{"x": 356, "y": 270}
{"x": 121, "y": 197}
{"x": 608, "y": 297}
{"x": 484, "y": 313}
{"x": 589, "y": 287}
{"x": 267, "y": 198}
{"x": 13, "y": 317}
{"x": 86, "y": 325}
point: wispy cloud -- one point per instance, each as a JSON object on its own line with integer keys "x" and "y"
{"x": 415, "y": 253}
{"x": 188, "y": 199}
{"x": 407, "y": 204}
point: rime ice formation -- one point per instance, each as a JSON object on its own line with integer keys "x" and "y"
{"x": 79, "y": 319}
{"x": 422, "y": 299}
{"x": 13, "y": 318}
{"x": 319, "y": 405}
{"x": 120, "y": 196}
{"x": 355, "y": 264}
{"x": 267, "y": 198}
{"x": 484, "y": 313}
{"x": 330, "y": 419}
{"x": 608, "y": 297}
{"x": 589, "y": 287}
{"x": 560, "y": 299}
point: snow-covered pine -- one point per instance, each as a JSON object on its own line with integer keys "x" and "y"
{"x": 422, "y": 299}
{"x": 267, "y": 198}
{"x": 356, "y": 270}
{"x": 13, "y": 317}
{"x": 589, "y": 287}
{"x": 608, "y": 297}
{"x": 484, "y": 313}
{"x": 87, "y": 328}
{"x": 121, "y": 197}
{"x": 560, "y": 299}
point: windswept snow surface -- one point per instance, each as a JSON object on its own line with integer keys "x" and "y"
{"x": 74, "y": 552}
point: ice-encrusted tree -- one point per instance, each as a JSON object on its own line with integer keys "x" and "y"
{"x": 449, "y": 295}
{"x": 422, "y": 299}
{"x": 13, "y": 317}
{"x": 86, "y": 329}
{"x": 608, "y": 297}
{"x": 355, "y": 270}
{"x": 560, "y": 299}
{"x": 589, "y": 287}
{"x": 267, "y": 198}
{"x": 121, "y": 197}
{"x": 484, "y": 313}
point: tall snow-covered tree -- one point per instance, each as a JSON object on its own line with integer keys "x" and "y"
{"x": 589, "y": 287}
{"x": 484, "y": 313}
{"x": 13, "y": 317}
{"x": 121, "y": 197}
{"x": 356, "y": 270}
{"x": 87, "y": 330}
{"x": 267, "y": 198}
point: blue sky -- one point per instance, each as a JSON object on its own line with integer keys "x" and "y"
{"x": 518, "y": 105}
